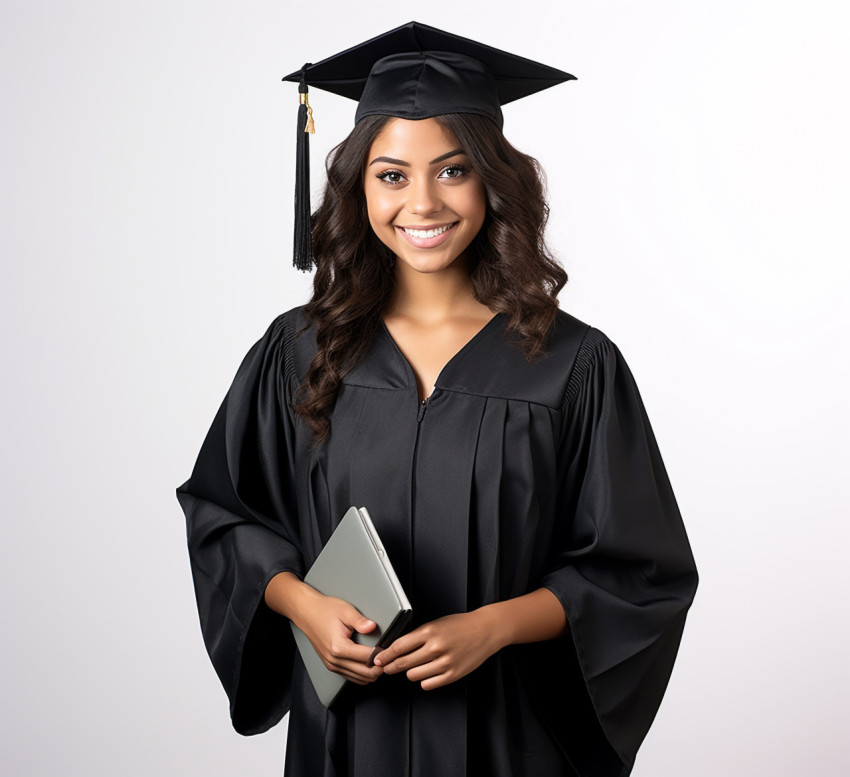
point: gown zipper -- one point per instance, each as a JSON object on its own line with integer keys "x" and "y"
{"x": 420, "y": 414}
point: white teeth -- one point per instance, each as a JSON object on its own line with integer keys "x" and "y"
{"x": 424, "y": 233}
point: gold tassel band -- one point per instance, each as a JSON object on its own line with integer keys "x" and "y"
{"x": 310, "y": 126}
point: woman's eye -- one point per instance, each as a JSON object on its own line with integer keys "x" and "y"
{"x": 453, "y": 171}
{"x": 391, "y": 176}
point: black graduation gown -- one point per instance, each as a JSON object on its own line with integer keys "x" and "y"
{"x": 510, "y": 477}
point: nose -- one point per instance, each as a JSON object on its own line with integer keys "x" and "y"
{"x": 423, "y": 196}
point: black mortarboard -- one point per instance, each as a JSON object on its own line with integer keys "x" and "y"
{"x": 412, "y": 72}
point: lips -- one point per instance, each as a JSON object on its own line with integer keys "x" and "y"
{"x": 427, "y": 237}
{"x": 425, "y": 233}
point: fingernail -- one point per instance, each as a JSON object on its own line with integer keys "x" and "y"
{"x": 378, "y": 662}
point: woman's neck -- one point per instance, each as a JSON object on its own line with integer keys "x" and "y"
{"x": 432, "y": 297}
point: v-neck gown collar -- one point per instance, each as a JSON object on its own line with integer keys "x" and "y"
{"x": 491, "y": 364}
{"x": 444, "y": 376}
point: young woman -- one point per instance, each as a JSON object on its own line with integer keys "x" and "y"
{"x": 500, "y": 446}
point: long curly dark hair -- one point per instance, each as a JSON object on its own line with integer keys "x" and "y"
{"x": 512, "y": 270}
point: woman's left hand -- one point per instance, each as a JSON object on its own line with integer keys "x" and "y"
{"x": 442, "y": 651}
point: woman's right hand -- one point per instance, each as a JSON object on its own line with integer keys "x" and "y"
{"x": 329, "y": 623}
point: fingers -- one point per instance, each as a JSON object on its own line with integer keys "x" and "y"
{"x": 402, "y": 646}
{"x": 350, "y": 620}
{"x": 329, "y": 625}
{"x": 359, "y": 623}
{"x": 349, "y": 659}
{"x": 355, "y": 671}
{"x": 364, "y": 626}
{"x": 343, "y": 650}
{"x": 436, "y": 682}
{"x": 409, "y": 661}
{"x": 354, "y": 619}
{"x": 437, "y": 653}
{"x": 431, "y": 669}
{"x": 429, "y": 673}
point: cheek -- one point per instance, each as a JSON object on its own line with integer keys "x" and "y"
{"x": 476, "y": 208}
{"x": 468, "y": 198}
{"x": 379, "y": 207}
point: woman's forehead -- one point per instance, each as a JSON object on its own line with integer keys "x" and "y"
{"x": 417, "y": 139}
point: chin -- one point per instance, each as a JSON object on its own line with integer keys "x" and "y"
{"x": 426, "y": 264}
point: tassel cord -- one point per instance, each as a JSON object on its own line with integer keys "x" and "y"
{"x": 303, "y": 248}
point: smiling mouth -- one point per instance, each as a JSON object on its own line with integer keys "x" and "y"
{"x": 424, "y": 234}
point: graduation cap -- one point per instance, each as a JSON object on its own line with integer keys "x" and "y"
{"x": 412, "y": 72}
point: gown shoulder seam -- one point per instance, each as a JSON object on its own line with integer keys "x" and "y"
{"x": 286, "y": 326}
{"x": 288, "y": 345}
{"x": 591, "y": 342}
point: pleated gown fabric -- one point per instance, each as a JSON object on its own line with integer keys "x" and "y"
{"x": 511, "y": 477}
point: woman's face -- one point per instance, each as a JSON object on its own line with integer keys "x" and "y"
{"x": 425, "y": 203}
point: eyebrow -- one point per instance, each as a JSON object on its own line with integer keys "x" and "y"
{"x": 402, "y": 163}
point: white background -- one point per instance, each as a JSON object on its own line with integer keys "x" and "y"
{"x": 698, "y": 175}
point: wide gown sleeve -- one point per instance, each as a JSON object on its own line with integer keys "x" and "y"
{"x": 242, "y": 530}
{"x": 625, "y": 574}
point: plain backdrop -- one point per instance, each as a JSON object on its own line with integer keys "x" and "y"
{"x": 698, "y": 179}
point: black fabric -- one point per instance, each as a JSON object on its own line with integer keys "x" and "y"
{"x": 429, "y": 83}
{"x": 517, "y": 476}
{"x": 416, "y": 71}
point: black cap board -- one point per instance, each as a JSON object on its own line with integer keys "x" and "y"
{"x": 412, "y": 72}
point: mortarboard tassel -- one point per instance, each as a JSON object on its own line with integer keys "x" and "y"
{"x": 303, "y": 250}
